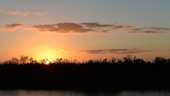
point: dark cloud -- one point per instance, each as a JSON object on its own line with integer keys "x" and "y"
{"x": 152, "y": 30}
{"x": 93, "y": 24}
{"x": 115, "y": 51}
{"x": 46, "y": 27}
{"x": 68, "y": 27}
{"x": 80, "y": 27}
{"x": 98, "y": 25}
{"x": 13, "y": 25}
{"x": 121, "y": 26}
{"x": 88, "y": 27}
{"x": 62, "y": 27}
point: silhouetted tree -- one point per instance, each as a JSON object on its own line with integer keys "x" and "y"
{"x": 32, "y": 61}
{"x": 58, "y": 60}
{"x": 44, "y": 61}
{"x": 127, "y": 60}
{"x": 138, "y": 61}
{"x": 160, "y": 60}
{"x": 113, "y": 60}
{"x": 24, "y": 60}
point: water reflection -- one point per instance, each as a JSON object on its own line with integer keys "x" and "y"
{"x": 60, "y": 93}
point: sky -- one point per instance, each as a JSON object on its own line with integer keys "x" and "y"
{"x": 84, "y": 29}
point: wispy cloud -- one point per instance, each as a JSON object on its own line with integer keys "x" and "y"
{"x": 81, "y": 27}
{"x": 94, "y": 24}
{"x": 152, "y": 30}
{"x": 23, "y": 13}
{"x": 62, "y": 27}
{"x": 115, "y": 51}
{"x": 15, "y": 25}
{"x": 66, "y": 27}
{"x": 49, "y": 27}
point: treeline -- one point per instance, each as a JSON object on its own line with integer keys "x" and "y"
{"x": 100, "y": 75}
{"x": 125, "y": 60}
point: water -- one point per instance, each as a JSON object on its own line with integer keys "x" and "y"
{"x": 67, "y": 93}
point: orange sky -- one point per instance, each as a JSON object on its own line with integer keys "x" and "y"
{"x": 84, "y": 29}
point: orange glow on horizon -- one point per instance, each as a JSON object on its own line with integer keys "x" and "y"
{"x": 47, "y": 62}
{"x": 51, "y": 54}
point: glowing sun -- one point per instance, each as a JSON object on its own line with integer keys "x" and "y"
{"x": 47, "y": 62}
{"x": 49, "y": 54}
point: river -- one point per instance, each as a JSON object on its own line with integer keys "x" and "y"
{"x": 69, "y": 93}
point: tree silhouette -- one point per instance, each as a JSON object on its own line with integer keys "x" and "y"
{"x": 103, "y": 74}
{"x": 125, "y": 60}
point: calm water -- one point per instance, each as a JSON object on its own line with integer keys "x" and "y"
{"x": 59, "y": 93}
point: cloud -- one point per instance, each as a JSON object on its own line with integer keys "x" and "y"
{"x": 46, "y": 27}
{"x": 98, "y": 25}
{"x": 122, "y": 27}
{"x": 62, "y": 27}
{"x": 81, "y": 27}
{"x": 66, "y": 27}
{"x": 22, "y": 13}
{"x": 92, "y": 25}
{"x": 152, "y": 30}
{"x": 15, "y": 25}
{"x": 25, "y": 13}
{"x": 116, "y": 51}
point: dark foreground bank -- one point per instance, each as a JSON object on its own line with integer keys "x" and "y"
{"x": 87, "y": 77}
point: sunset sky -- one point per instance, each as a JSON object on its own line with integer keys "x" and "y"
{"x": 84, "y": 29}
